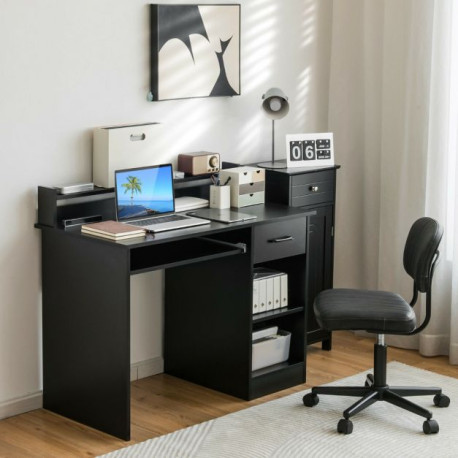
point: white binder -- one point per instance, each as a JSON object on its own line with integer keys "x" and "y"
{"x": 277, "y": 292}
{"x": 270, "y": 293}
{"x": 262, "y": 295}
{"x": 284, "y": 290}
{"x": 255, "y": 296}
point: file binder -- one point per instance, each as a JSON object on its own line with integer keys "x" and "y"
{"x": 270, "y": 289}
{"x": 269, "y": 294}
{"x": 283, "y": 290}
{"x": 255, "y": 297}
{"x": 277, "y": 291}
{"x": 262, "y": 294}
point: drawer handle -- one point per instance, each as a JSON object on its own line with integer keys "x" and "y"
{"x": 286, "y": 238}
{"x": 314, "y": 188}
{"x": 137, "y": 138}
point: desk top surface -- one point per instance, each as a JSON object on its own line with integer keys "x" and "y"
{"x": 264, "y": 214}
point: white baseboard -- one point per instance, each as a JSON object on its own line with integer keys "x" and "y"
{"x": 20, "y": 405}
{"x": 34, "y": 401}
{"x": 146, "y": 368}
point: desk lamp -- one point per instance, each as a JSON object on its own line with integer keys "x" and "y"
{"x": 275, "y": 105}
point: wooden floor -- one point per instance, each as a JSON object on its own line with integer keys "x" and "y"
{"x": 162, "y": 404}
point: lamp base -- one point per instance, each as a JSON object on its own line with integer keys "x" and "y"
{"x": 273, "y": 165}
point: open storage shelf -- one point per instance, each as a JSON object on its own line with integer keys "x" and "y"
{"x": 179, "y": 253}
{"x": 292, "y": 319}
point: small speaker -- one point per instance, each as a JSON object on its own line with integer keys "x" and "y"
{"x": 198, "y": 163}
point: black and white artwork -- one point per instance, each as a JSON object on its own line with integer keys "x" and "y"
{"x": 195, "y": 51}
{"x": 304, "y": 150}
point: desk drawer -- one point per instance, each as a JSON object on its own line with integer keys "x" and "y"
{"x": 279, "y": 240}
{"x": 312, "y": 188}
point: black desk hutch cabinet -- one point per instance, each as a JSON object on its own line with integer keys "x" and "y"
{"x": 315, "y": 191}
{"x": 208, "y": 321}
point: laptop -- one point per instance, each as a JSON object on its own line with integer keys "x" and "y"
{"x": 145, "y": 197}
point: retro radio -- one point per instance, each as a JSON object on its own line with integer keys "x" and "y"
{"x": 198, "y": 163}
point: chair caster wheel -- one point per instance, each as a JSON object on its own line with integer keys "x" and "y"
{"x": 310, "y": 400}
{"x": 369, "y": 380}
{"x": 430, "y": 427}
{"x": 441, "y": 400}
{"x": 345, "y": 426}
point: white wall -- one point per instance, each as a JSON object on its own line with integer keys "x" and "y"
{"x": 69, "y": 66}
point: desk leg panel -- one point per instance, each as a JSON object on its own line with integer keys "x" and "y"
{"x": 86, "y": 331}
{"x": 208, "y": 324}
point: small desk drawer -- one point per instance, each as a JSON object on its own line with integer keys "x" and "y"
{"x": 242, "y": 175}
{"x": 250, "y": 188}
{"x": 312, "y": 188}
{"x": 279, "y": 240}
{"x": 245, "y": 200}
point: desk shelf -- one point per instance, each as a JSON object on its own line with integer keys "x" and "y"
{"x": 179, "y": 253}
{"x": 273, "y": 314}
{"x": 280, "y": 376}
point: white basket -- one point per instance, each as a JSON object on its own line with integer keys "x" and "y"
{"x": 270, "y": 350}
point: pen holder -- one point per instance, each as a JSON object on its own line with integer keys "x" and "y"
{"x": 220, "y": 196}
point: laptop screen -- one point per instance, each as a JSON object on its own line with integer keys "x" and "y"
{"x": 143, "y": 192}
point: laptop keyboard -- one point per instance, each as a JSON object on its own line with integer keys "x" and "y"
{"x": 158, "y": 220}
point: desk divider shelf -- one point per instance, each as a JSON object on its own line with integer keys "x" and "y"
{"x": 271, "y": 314}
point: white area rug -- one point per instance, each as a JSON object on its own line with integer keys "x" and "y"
{"x": 286, "y": 428}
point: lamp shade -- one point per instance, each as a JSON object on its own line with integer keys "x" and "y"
{"x": 275, "y": 103}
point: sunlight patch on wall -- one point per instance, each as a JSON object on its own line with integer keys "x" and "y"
{"x": 309, "y": 22}
{"x": 249, "y": 136}
{"x": 259, "y": 44}
{"x": 187, "y": 123}
{"x": 302, "y": 105}
{"x": 307, "y": 42}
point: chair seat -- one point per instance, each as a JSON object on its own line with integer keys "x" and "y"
{"x": 373, "y": 311}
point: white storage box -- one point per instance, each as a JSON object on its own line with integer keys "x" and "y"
{"x": 270, "y": 349}
{"x": 123, "y": 147}
{"x": 247, "y": 185}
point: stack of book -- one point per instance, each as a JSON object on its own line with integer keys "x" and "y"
{"x": 113, "y": 230}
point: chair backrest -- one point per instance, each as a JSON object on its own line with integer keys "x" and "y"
{"x": 420, "y": 250}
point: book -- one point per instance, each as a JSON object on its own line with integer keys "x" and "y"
{"x": 112, "y": 230}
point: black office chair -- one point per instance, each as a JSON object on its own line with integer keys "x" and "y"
{"x": 383, "y": 313}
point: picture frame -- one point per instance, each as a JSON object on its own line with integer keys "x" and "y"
{"x": 311, "y": 149}
{"x": 195, "y": 51}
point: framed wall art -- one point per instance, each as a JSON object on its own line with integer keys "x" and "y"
{"x": 304, "y": 150}
{"x": 195, "y": 51}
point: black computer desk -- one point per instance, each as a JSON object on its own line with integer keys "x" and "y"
{"x": 208, "y": 311}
